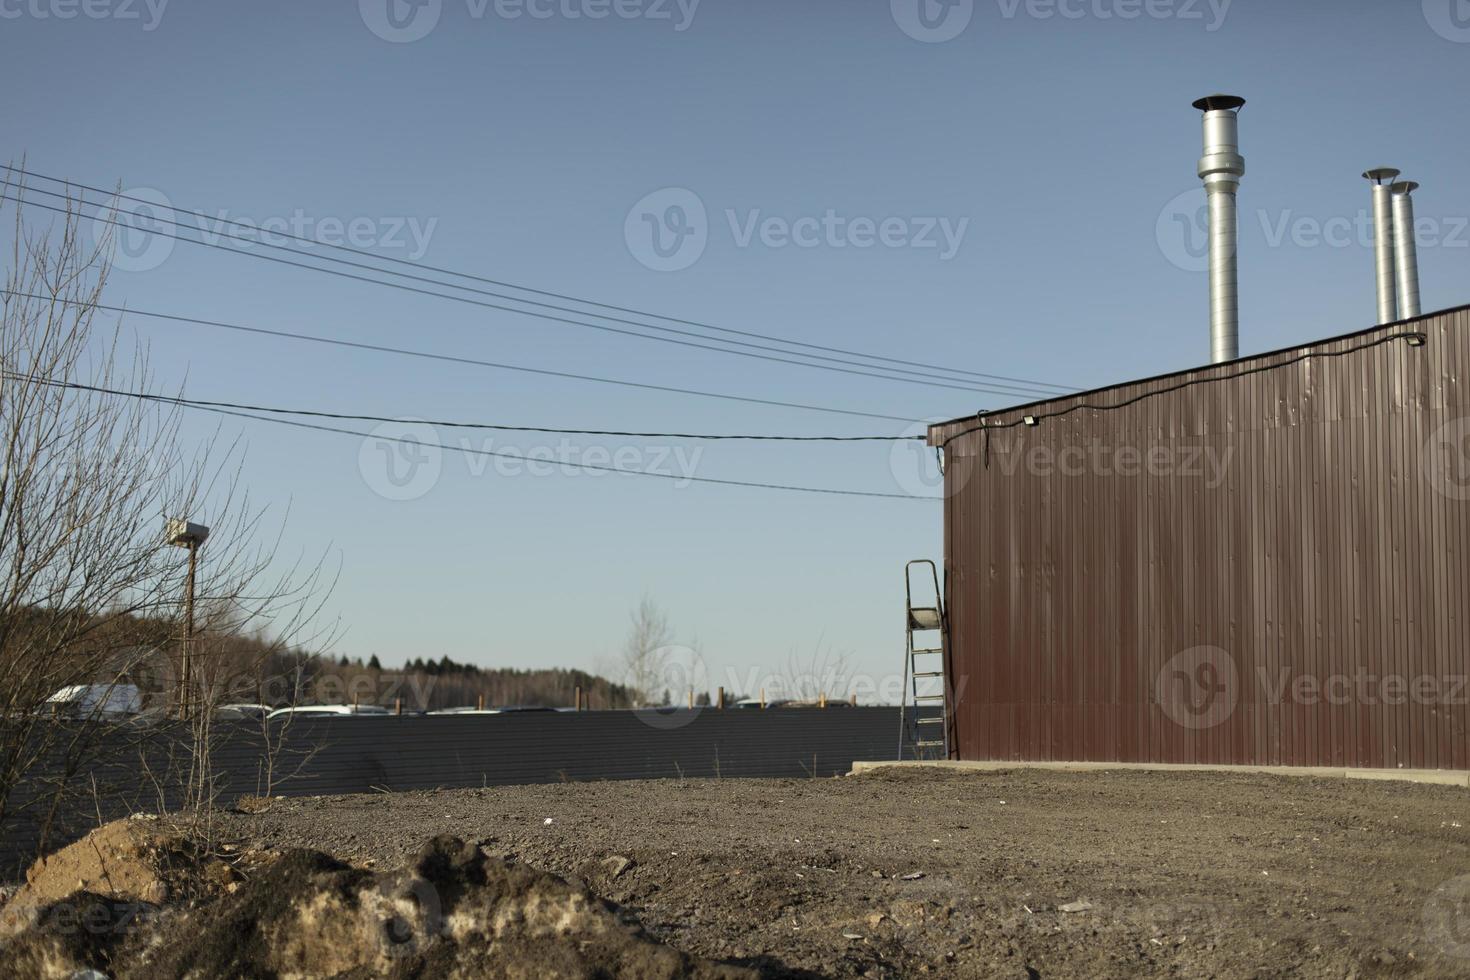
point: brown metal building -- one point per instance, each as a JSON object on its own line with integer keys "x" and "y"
{"x": 1265, "y": 561}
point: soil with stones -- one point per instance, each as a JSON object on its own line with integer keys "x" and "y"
{"x": 895, "y": 873}
{"x": 889, "y": 874}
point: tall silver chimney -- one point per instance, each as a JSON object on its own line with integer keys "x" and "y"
{"x": 1406, "y": 249}
{"x": 1383, "y": 242}
{"x": 1221, "y": 168}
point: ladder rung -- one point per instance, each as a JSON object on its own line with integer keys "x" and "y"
{"x": 929, "y": 697}
{"x": 929, "y": 650}
{"x": 928, "y": 721}
{"x": 922, "y": 744}
{"x": 929, "y": 673}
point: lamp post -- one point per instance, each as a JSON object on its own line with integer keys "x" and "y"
{"x": 184, "y": 534}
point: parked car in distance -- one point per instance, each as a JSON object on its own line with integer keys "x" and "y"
{"x": 756, "y": 703}
{"x": 328, "y": 711}
{"x": 242, "y": 712}
{"x": 96, "y": 701}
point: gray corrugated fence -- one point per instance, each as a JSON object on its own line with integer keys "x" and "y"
{"x": 359, "y": 755}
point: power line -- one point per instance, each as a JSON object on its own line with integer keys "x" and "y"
{"x": 1413, "y": 337}
{"x": 469, "y": 361}
{"x": 469, "y": 450}
{"x": 990, "y": 389}
{"x": 555, "y": 295}
{"x": 312, "y": 413}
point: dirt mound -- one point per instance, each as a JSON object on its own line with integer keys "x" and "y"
{"x": 138, "y": 860}
{"x": 452, "y": 912}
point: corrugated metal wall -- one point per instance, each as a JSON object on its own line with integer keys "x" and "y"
{"x": 1269, "y": 569}
{"x": 365, "y": 755}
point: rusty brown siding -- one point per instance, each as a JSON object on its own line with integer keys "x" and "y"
{"x": 1311, "y": 606}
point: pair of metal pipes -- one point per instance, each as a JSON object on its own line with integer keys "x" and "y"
{"x": 1395, "y": 250}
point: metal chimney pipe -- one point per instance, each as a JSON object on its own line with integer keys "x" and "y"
{"x": 1221, "y": 168}
{"x": 1383, "y": 241}
{"x": 1406, "y": 249}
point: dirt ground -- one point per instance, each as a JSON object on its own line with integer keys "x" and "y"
{"x": 1011, "y": 874}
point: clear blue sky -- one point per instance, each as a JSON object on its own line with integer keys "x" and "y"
{"x": 1056, "y": 135}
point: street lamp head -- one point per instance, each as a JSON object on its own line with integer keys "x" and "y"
{"x": 185, "y": 534}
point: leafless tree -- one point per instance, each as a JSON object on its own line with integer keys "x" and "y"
{"x": 646, "y": 651}
{"x": 89, "y": 587}
{"x": 824, "y": 673}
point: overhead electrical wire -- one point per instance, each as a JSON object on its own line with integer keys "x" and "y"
{"x": 970, "y": 387}
{"x": 1413, "y": 337}
{"x": 457, "y": 359}
{"x": 471, "y": 451}
{"x": 551, "y": 294}
{"x": 344, "y": 416}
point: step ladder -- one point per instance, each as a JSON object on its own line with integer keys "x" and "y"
{"x": 923, "y": 716}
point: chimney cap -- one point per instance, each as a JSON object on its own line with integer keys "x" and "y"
{"x": 1382, "y": 173}
{"x": 1210, "y": 103}
{"x": 1405, "y": 187}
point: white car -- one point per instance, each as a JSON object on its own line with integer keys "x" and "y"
{"x": 242, "y": 712}
{"x": 328, "y": 711}
{"x": 97, "y": 701}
